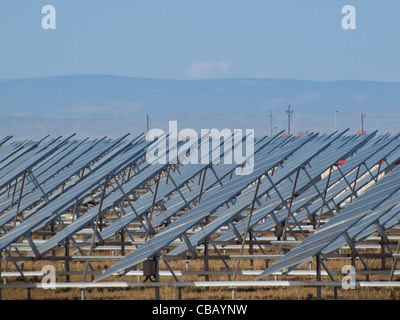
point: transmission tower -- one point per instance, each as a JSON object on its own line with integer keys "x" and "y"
{"x": 289, "y": 114}
{"x": 362, "y": 123}
{"x": 147, "y": 127}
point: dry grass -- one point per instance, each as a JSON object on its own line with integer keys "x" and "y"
{"x": 195, "y": 293}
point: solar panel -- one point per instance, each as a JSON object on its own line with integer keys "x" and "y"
{"x": 274, "y": 201}
{"x": 67, "y": 200}
{"x": 91, "y": 215}
{"x": 44, "y": 173}
{"x": 208, "y": 204}
{"x": 17, "y": 150}
{"x": 349, "y": 216}
{"x": 57, "y": 179}
{"x": 181, "y": 179}
{"x": 28, "y": 161}
{"x": 185, "y": 173}
{"x": 372, "y": 154}
{"x": 300, "y": 158}
{"x": 384, "y": 212}
{"x": 74, "y": 167}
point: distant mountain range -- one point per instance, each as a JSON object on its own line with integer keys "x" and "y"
{"x": 97, "y": 105}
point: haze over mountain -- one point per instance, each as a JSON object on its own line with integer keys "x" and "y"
{"x": 101, "y": 105}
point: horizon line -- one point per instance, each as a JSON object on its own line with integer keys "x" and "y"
{"x": 193, "y": 80}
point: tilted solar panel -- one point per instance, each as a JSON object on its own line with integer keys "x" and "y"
{"x": 207, "y": 206}
{"x": 349, "y": 216}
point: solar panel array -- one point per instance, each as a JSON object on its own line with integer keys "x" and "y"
{"x": 344, "y": 186}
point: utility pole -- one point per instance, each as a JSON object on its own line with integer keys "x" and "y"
{"x": 362, "y": 123}
{"x": 289, "y": 113}
{"x": 270, "y": 122}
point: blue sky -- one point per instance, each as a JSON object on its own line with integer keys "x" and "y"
{"x": 173, "y": 39}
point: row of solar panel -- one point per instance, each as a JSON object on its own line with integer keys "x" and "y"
{"x": 289, "y": 171}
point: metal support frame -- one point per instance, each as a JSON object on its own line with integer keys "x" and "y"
{"x": 189, "y": 244}
{"x": 294, "y": 188}
{"x": 247, "y": 228}
{"x": 216, "y": 176}
{"x": 175, "y": 278}
{"x": 285, "y": 202}
{"x": 135, "y": 212}
{"x": 330, "y": 276}
{"x": 287, "y": 208}
{"x": 202, "y": 183}
{"x": 21, "y": 273}
{"x": 20, "y": 198}
{"x": 384, "y": 242}
{"x": 15, "y": 189}
{"x": 394, "y": 262}
{"x": 36, "y": 182}
{"x": 206, "y": 265}
{"x": 318, "y": 268}
{"x": 179, "y": 191}
{"x": 318, "y": 192}
{"x": 308, "y": 214}
{"x": 355, "y": 252}
{"x": 347, "y": 182}
{"x": 223, "y": 260}
{"x": 157, "y": 289}
{"x": 257, "y": 242}
{"x": 355, "y": 182}
{"x": 67, "y": 266}
{"x": 337, "y": 208}
{"x": 379, "y": 169}
{"x": 95, "y": 227}
{"x": 235, "y": 231}
{"x": 325, "y": 192}
{"x": 33, "y": 246}
{"x": 154, "y": 202}
{"x": 369, "y": 171}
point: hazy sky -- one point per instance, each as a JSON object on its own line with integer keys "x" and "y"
{"x": 202, "y": 39}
